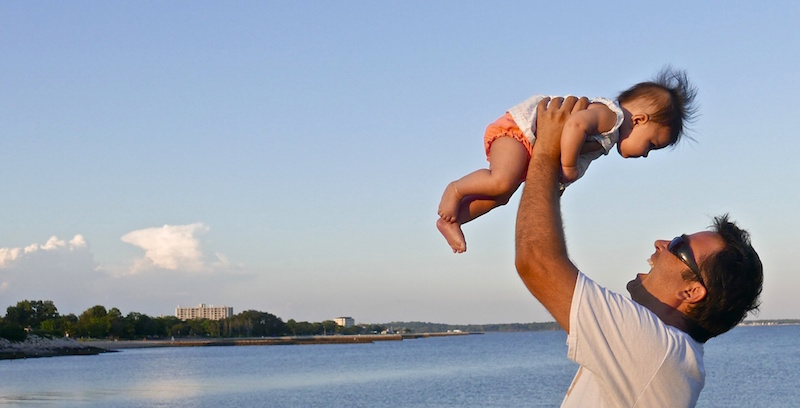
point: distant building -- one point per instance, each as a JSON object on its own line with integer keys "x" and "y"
{"x": 345, "y": 321}
{"x": 203, "y": 312}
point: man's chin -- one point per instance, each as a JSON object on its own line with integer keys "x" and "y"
{"x": 634, "y": 285}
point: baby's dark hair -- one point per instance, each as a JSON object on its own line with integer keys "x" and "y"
{"x": 673, "y": 97}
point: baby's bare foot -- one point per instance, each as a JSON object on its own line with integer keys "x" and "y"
{"x": 451, "y": 200}
{"x": 453, "y": 234}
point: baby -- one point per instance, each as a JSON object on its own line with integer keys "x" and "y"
{"x": 648, "y": 116}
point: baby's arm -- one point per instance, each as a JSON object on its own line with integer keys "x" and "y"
{"x": 594, "y": 120}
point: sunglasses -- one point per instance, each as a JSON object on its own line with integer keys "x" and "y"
{"x": 679, "y": 246}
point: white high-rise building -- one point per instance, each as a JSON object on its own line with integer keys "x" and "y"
{"x": 345, "y": 321}
{"x": 203, "y": 312}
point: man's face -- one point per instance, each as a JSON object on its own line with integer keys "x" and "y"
{"x": 664, "y": 284}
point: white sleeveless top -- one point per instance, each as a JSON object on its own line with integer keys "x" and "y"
{"x": 524, "y": 114}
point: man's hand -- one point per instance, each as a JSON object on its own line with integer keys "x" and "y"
{"x": 550, "y": 119}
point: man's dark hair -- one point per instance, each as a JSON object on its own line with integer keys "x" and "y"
{"x": 733, "y": 280}
{"x": 672, "y": 96}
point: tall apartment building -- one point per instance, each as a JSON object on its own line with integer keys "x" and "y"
{"x": 345, "y": 321}
{"x": 203, "y": 312}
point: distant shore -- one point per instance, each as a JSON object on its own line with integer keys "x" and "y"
{"x": 36, "y": 346}
{"x": 263, "y": 341}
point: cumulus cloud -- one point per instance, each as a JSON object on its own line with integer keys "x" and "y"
{"x": 53, "y": 245}
{"x": 47, "y": 271}
{"x": 171, "y": 247}
{"x": 67, "y": 272}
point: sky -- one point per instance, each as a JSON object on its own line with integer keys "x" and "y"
{"x": 289, "y": 157}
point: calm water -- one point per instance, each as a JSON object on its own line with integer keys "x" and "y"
{"x": 748, "y": 367}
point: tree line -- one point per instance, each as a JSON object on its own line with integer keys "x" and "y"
{"x": 41, "y": 317}
{"x": 425, "y": 327}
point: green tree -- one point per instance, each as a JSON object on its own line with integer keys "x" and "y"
{"x": 140, "y": 325}
{"x": 44, "y": 310}
{"x": 68, "y": 323}
{"x": 179, "y": 330}
{"x": 306, "y": 328}
{"x": 31, "y": 313}
{"x": 93, "y": 323}
{"x": 164, "y": 325}
{"x": 19, "y": 314}
{"x": 211, "y": 327}
{"x": 196, "y": 327}
{"x": 12, "y": 331}
{"x": 53, "y": 327}
{"x": 116, "y": 324}
{"x": 291, "y": 327}
{"x": 329, "y": 327}
{"x": 302, "y": 328}
{"x": 252, "y": 323}
{"x": 353, "y": 330}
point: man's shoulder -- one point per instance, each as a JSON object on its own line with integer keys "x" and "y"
{"x": 596, "y": 302}
{"x": 613, "y": 308}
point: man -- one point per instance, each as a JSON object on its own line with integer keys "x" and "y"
{"x": 646, "y": 351}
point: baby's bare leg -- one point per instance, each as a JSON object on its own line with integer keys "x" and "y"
{"x": 508, "y": 160}
{"x": 474, "y": 206}
{"x": 479, "y": 192}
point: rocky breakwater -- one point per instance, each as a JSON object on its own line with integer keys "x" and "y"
{"x": 35, "y": 346}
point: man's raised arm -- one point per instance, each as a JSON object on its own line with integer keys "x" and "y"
{"x": 541, "y": 251}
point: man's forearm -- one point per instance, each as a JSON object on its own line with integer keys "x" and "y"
{"x": 541, "y": 257}
{"x": 539, "y": 228}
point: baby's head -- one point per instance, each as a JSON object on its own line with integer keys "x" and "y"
{"x": 656, "y": 112}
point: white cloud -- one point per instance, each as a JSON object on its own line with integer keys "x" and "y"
{"x": 53, "y": 245}
{"x": 54, "y": 270}
{"x": 171, "y": 247}
{"x": 66, "y": 272}
{"x": 9, "y": 255}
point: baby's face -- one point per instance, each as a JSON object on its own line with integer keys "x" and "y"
{"x": 641, "y": 139}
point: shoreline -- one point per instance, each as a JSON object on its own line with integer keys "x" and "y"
{"x": 35, "y": 346}
{"x": 116, "y": 345}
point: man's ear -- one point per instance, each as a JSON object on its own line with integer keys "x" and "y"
{"x": 693, "y": 292}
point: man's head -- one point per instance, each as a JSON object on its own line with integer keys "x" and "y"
{"x": 711, "y": 303}
{"x": 733, "y": 278}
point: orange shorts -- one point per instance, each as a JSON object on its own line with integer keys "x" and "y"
{"x": 505, "y": 126}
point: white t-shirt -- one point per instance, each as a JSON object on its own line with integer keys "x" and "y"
{"x": 628, "y": 356}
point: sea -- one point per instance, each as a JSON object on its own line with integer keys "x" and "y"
{"x": 751, "y": 366}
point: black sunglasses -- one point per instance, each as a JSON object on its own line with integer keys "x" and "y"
{"x": 679, "y": 246}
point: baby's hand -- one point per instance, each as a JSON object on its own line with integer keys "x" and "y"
{"x": 569, "y": 174}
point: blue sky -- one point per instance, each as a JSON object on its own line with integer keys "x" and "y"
{"x": 289, "y": 156}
